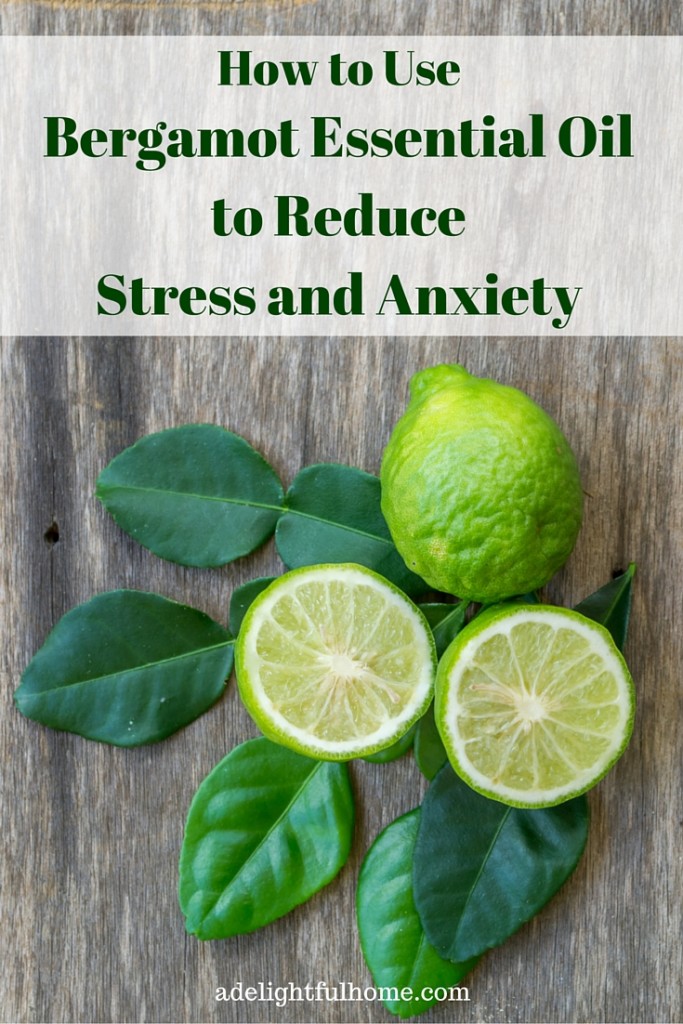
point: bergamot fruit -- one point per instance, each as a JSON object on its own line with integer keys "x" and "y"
{"x": 335, "y": 662}
{"x": 480, "y": 489}
{"x": 534, "y": 704}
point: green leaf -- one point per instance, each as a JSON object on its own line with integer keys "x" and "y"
{"x": 333, "y": 514}
{"x": 445, "y": 622}
{"x": 611, "y": 605}
{"x": 196, "y": 494}
{"x": 127, "y": 668}
{"x": 241, "y": 599}
{"x": 396, "y": 750}
{"x": 430, "y": 753}
{"x": 267, "y": 829}
{"x": 400, "y": 958}
{"x": 481, "y": 868}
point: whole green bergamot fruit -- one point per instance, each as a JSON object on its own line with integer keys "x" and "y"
{"x": 480, "y": 489}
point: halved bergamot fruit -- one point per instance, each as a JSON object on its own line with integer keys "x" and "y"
{"x": 334, "y": 662}
{"x": 534, "y": 704}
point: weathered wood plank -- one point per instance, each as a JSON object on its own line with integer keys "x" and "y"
{"x": 339, "y": 17}
{"x": 89, "y": 873}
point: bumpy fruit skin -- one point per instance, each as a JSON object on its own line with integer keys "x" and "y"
{"x": 480, "y": 489}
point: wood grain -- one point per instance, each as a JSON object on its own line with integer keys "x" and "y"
{"x": 91, "y": 834}
{"x": 340, "y": 17}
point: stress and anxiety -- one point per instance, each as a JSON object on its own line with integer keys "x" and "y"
{"x": 396, "y": 297}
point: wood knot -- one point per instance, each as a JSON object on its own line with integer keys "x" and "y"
{"x": 51, "y": 535}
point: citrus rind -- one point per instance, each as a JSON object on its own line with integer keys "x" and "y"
{"x": 480, "y": 488}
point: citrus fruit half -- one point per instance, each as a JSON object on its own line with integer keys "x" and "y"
{"x": 334, "y": 662}
{"x": 534, "y": 704}
{"x": 480, "y": 489}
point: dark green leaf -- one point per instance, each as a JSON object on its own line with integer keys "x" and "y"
{"x": 243, "y": 597}
{"x": 481, "y": 869}
{"x": 530, "y": 598}
{"x": 127, "y": 668}
{"x": 445, "y": 622}
{"x": 334, "y": 515}
{"x": 436, "y": 611}
{"x": 396, "y": 750}
{"x": 394, "y": 944}
{"x": 430, "y": 753}
{"x": 611, "y": 606}
{"x": 197, "y": 495}
{"x": 267, "y": 828}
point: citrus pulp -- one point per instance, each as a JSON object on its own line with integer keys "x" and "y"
{"x": 334, "y": 662}
{"x": 534, "y": 704}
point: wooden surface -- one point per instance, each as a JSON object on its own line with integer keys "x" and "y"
{"x": 90, "y": 922}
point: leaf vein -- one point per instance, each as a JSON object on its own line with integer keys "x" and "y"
{"x": 134, "y": 669}
{"x": 483, "y": 864}
{"x": 104, "y": 488}
{"x": 281, "y": 817}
